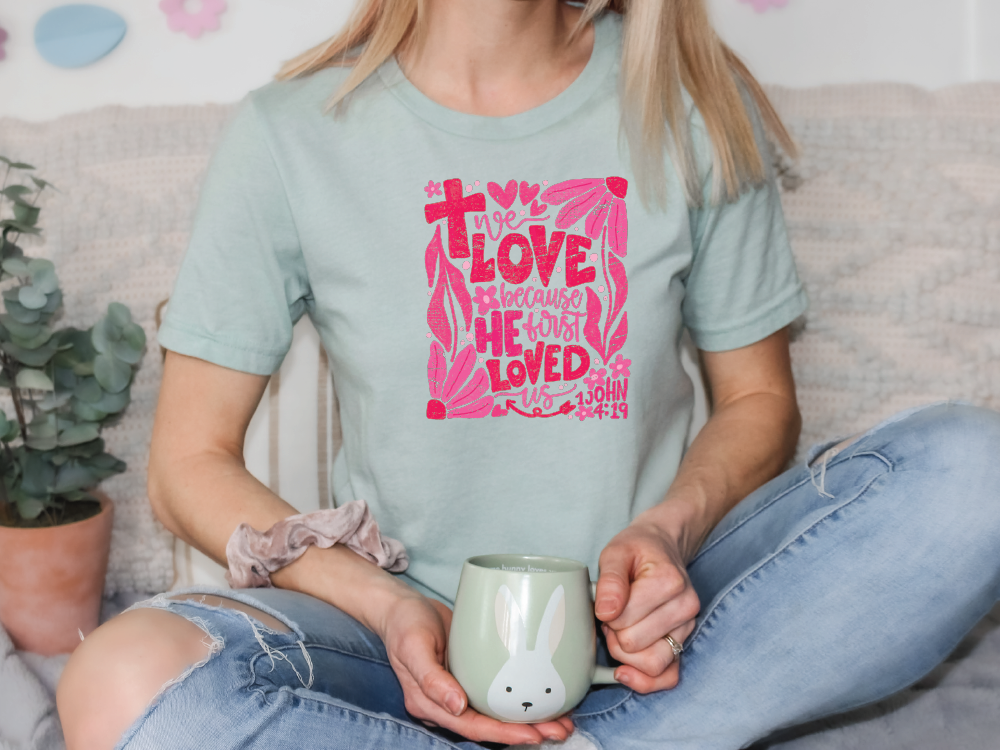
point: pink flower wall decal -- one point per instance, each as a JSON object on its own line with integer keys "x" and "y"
{"x": 206, "y": 18}
{"x": 451, "y": 395}
{"x": 603, "y": 199}
{"x": 761, "y": 5}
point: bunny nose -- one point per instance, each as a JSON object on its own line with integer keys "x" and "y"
{"x": 527, "y": 705}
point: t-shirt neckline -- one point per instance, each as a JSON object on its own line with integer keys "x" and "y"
{"x": 602, "y": 60}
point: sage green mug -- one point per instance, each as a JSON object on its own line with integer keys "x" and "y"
{"x": 523, "y": 640}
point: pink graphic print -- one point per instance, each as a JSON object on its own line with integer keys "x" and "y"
{"x": 547, "y": 315}
{"x": 451, "y": 395}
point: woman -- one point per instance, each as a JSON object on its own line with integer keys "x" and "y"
{"x": 529, "y": 398}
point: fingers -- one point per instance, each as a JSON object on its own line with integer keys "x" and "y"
{"x": 651, "y": 662}
{"x": 670, "y": 617}
{"x": 429, "y": 675}
{"x": 654, "y": 584}
{"x": 614, "y": 585}
{"x": 641, "y": 682}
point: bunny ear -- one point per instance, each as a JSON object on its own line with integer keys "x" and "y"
{"x": 510, "y": 624}
{"x": 553, "y": 621}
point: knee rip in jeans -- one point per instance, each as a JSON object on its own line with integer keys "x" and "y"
{"x": 216, "y": 643}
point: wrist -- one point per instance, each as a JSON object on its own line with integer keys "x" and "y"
{"x": 345, "y": 580}
{"x": 682, "y": 518}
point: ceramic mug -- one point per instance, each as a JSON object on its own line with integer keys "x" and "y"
{"x": 523, "y": 640}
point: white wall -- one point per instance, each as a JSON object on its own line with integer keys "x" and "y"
{"x": 927, "y": 42}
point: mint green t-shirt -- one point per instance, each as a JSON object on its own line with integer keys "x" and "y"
{"x": 502, "y": 315}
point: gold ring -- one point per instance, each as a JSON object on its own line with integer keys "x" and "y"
{"x": 678, "y": 649}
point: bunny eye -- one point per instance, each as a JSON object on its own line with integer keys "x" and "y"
{"x": 548, "y": 690}
{"x": 508, "y": 690}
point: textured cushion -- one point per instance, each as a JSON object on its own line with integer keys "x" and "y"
{"x": 896, "y": 231}
{"x": 895, "y": 224}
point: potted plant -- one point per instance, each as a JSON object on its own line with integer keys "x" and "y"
{"x": 59, "y": 388}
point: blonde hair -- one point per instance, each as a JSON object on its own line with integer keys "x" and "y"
{"x": 669, "y": 47}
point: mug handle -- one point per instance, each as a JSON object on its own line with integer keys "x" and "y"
{"x": 602, "y": 675}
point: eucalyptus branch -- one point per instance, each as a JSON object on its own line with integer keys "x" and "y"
{"x": 15, "y": 391}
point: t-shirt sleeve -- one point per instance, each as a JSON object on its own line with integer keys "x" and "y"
{"x": 742, "y": 285}
{"x": 243, "y": 283}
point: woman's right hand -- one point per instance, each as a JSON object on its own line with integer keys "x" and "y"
{"x": 415, "y": 633}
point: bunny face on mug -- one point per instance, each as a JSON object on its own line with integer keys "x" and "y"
{"x": 528, "y": 687}
{"x": 522, "y": 642}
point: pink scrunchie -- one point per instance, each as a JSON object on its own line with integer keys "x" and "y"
{"x": 253, "y": 555}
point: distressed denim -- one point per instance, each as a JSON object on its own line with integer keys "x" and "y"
{"x": 837, "y": 583}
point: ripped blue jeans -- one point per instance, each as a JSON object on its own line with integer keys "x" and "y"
{"x": 834, "y": 585}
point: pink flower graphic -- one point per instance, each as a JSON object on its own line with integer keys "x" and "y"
{"x": 451, "y": 396}
{"x": 583, "y": 412}
{"x": 433, "y": 188}
{"x": 595, "y": 378}
{"x": 620, "y": 367}
{"x": 3, "y": 38}
{"x": 761, "y": 5}
{"x": 601, "y": 201}
{"x": 206, "y": 18}
{"x": 487, "y": 299}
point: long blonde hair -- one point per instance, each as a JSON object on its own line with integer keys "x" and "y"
{"x": 669, "y": 47}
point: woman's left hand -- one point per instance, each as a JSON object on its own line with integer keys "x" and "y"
{"x": 643, "y": 594}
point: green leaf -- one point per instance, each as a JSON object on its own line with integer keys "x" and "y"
{"x": 34, "y": 380}
{"x": 119, "y": 314}
{"x": 103, "y": 336}
{"x": 26, "y": 214}
{"x": 13, "y": 432}
{"x": 64, "y": 379}
{"x": 38, "y": 475}
{"x": 19, "y": 329}
{"x": 106, "y": 464}
{"x": 15, "y": 164}
{"x": 15, "y": 267}
{"x": 19, "y": 312}
{"x": 54, "y": 301}
{"x": 81, "y": 433}
{"x": 30, "y": 508}
{"x": 4, "y": 422}
{"x": 16, "y": 191}
{"x": 18, "y": 226}
{"x": 89, "y": 390}
{"x": 55, "y": 400}
{"x": 88, "y": 412}
{"x": 40, "y": 183}
{"x": 112, "y": 403}
{"x": 113, "y": 374}
{"x": 77, "y": 496}
{"x": 31, "y": 357}
{"x": 44, "y": 425}
{"x": 32, "y": 297}
{"x": 42, "y": 443}
{"x": 126, "y": 353}
{"x": 41, "y": 337}
{"x": 43, "y": 275}
{"x": 87, "y": 450}
{"x": 73, "y": 477}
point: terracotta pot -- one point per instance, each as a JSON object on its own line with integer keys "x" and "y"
{"x": 51, "y": 581}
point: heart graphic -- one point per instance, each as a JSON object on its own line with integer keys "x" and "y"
{"x": 538, "y": 208}
{"x": 498, "y": 411}
{"x": 504, "y": 196}
{"x": 528, "y": 192}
